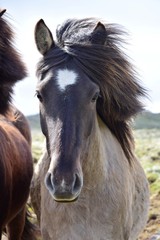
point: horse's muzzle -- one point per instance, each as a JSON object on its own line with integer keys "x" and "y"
{"x": 64, "y": 189}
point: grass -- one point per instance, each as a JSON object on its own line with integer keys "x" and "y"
{"x": 147, "y": 146}
{"x": 147, "y": 142}
{"x": 38, "y": 144}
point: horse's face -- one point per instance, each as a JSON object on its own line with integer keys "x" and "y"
{"x": 68, "y": 112}
{"x": 68, "y": 97}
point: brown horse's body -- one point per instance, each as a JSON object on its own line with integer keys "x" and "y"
{"x": 88, "y": 185}
{"x": 15, "y": 174}
{"x": 16, "y": 166}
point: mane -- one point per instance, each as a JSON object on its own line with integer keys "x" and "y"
{"x": 12, "y": 68}
{"x": 101, "y": 58}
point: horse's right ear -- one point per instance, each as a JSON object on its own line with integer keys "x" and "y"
{"x": 43, "y": 37}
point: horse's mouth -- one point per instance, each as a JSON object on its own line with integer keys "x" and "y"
{"x": 60, "y": 200}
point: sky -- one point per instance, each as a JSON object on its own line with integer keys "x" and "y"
{"x": 141, "y": 18}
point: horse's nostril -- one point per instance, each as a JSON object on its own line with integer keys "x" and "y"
{"x": 77, "y": 183}
{"x": 49, "y": 181}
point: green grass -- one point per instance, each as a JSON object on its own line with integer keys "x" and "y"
{"x": 38, "y": 144}
{"x": 147, "y": 144}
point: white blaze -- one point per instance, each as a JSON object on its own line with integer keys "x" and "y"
{"x": 66, "y": 77}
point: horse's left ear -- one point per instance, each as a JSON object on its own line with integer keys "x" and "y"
{"x": 43, "y": 37}
{"x": 99, "y": 34}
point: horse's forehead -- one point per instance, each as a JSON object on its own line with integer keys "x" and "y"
{"x": 66, "y": 77}
{"x": 62, "y": 78}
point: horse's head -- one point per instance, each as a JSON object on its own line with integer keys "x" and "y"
{"x": 68, "y": 112}
{"x": 82, "y": 74}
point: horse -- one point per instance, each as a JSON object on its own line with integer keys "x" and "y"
{"x": 89, "y": 183}
{"x": 16, "y": 166}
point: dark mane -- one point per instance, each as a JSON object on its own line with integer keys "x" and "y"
{"x": 12, "y": 68}
{"x": 101, "y": 57}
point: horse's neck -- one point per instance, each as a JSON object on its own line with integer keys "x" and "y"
{"x": 104, "y": 153}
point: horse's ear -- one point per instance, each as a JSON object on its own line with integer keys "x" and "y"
{"x": 99, "y": 34}
{"x": 43, "y": 37}
{"x": 2, "y": 12}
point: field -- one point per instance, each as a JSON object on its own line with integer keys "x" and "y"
{"x": 147, "y": 145}
{"x": 148, "y": 150}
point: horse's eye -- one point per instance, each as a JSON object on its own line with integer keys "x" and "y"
{"x": 95, "y": 97}
{"x": 39, "y": 96}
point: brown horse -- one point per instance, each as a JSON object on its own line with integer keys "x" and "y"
{"x": 16, "y": 166}
{"x": 89, "y": 184}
